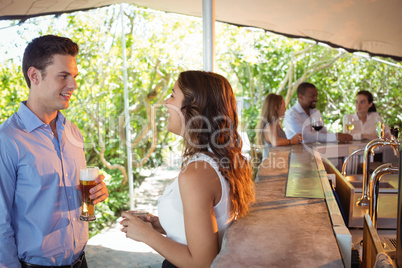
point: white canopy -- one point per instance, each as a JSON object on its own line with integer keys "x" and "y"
{"x": 372, "y": 26}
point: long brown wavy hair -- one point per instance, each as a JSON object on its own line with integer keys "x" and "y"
{"x": 209, "y": 109}
{"x": 269, "y": 114}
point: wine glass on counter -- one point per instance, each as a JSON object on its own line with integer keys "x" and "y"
{"x": 317, "y": 124}
{"x": 349, "y": 123}
{"x": 380, "y": 128}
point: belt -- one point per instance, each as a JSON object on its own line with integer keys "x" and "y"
{"x": 76, "y": 264}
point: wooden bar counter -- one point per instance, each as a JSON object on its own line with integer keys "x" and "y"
{"x": 285, "y": 231}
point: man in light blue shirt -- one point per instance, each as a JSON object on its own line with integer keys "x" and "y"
{"x": 41, "y": 153}
{"x": 298, "y": 118}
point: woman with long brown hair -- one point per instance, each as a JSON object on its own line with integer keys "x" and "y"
{"x": 269, "y": 130}
{"x": 214, "y": 186}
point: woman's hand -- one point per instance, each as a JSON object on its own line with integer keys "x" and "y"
{"x": 154, "y": 220}
{"x": 136, "y": 228}
{"x": 296, "y": 139}
{"x": 369, "y": 136}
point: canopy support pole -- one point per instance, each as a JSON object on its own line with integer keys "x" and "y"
{"x": 208, "y": 23}
{"x": 127, "y": 114}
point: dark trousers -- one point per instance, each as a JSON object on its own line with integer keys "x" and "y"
{"x": 167, "y": 264}
{"x": 80, "y": 263}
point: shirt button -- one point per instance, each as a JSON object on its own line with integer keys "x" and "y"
{"x": 69, "y": 197}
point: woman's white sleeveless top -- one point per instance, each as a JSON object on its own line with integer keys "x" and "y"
{"x": 170, "y": 207}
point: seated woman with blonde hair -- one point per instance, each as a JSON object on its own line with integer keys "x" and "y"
{"x": 269, "y": 130}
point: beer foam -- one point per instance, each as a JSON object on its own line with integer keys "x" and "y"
{"x": 89, "y": 174}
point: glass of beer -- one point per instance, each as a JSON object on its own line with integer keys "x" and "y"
{"x": 380, "y": 128}
{"x": 87, "y": 181}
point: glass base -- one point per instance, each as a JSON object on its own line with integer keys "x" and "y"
{"x": 363, "y": 201}
{"x": 87, "y": 218}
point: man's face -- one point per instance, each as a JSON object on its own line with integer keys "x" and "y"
{"x": 57, "y": 84}
{"x": 309, "y": 99}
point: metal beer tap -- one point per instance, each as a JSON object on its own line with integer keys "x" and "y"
{"x": 345, "y": 162}
{"x": 375, "y": 185}
{"x": 364, "y": 200}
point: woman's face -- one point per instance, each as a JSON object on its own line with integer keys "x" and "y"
{"x": 173, "y": 104}
{"x": 282, "y": 108}
{"x": 362, "y": 104}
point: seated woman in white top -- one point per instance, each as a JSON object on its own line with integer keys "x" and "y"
{"x": 365, "y": 118}
{"x": 268, "y": 131}
{"x": 214, "y": 186}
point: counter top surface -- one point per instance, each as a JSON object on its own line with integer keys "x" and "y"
{"x": 281, "y": 231}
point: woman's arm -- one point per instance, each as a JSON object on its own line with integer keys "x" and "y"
{"x": 271, "y": 136}
{"x": 142, "y": 231}
{"x": 199, "y": 188}
{"x": 368, "y": 136}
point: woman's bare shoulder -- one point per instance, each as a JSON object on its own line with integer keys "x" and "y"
{"x": 198, "y": 175}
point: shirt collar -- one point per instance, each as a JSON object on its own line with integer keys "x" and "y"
{"x": 31, "y": 121}
{"x": 300, "y": 109}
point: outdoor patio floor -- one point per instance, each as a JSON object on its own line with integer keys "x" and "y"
{"x": 112, "y": 249}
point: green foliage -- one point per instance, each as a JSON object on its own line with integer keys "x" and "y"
{"x": 11, "y": 80}
{"x": 260, "y": 61}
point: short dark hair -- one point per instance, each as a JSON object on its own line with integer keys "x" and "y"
{"x": 370, "y": 99}
{"x": 39, "y": 53}
{"x": 302, "y": 88}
